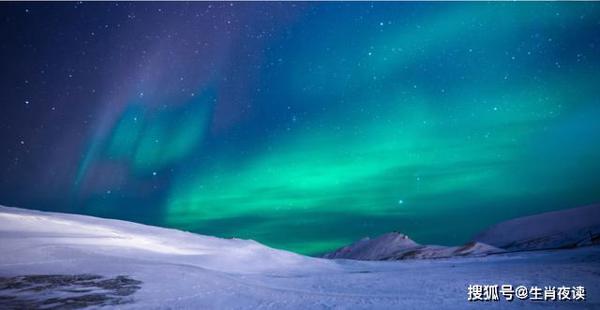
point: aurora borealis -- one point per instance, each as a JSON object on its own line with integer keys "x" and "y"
{"x": 303, "y": 126}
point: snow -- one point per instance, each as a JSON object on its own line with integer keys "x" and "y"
{"x": 436, "y": 251}
{"x": 379, "y": 248}
{"x": 397, "y": 246}
{"x": 552, "y": 230}
{"x": 557, "y": 229}
{"x": 98, "y": 236}
{"x": 180, "y": 270}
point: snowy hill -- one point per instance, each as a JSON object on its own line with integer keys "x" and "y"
{"x": 558, "y": 229}
{"x": 53, "y": 260}
{"x": 397, "y": 246}
{"x": 436, "y": 251}
{"x": 56, "y": 231}
{"x": 552, "y": 230}
{"x": 375, "y": 249}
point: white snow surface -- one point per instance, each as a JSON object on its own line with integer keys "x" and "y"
{"x": 181, "y": 270}
{"x": 558, "y": 229}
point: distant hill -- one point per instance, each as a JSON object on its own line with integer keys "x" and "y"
{"x": 551, "y": 230}
{"x": 397, "y": 246}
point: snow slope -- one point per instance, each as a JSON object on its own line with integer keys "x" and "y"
{"x": 397, "y": 246}
{"x": 44, "y": 232}
{"x": 57, "y": 259}
{"x": 558, "y": 229}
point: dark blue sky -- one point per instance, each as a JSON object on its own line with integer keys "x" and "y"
{"x": 301, "y": 125}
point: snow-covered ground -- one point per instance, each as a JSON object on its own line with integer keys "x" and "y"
{"x": 143, "y": 267}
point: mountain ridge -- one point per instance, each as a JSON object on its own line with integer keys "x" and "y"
{"x": 567, "y": 228}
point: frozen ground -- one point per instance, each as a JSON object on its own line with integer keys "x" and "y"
{"x": 69, "y": 261}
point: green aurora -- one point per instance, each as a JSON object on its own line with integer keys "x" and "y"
{"x": 436, "y": 155}
{"x": 356, "y": 119}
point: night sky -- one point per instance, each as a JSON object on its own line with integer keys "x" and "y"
{"x": 304, "y": 126}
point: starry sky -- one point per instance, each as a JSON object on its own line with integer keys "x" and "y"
{"x": 304, "y": 126}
